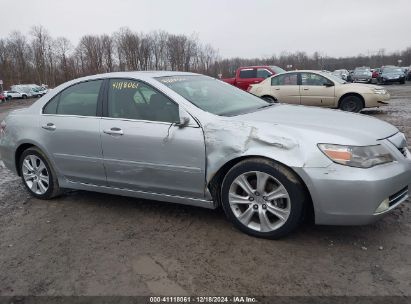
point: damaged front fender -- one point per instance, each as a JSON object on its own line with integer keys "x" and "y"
{"x": 230, "y": 139}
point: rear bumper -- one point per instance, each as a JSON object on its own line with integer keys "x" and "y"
{"x": 350, "y": 196}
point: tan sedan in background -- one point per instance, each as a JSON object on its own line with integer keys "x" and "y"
{"x": 316, "y": 88}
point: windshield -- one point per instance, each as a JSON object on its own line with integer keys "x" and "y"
{"x": 213, "y": 95}
{"x": 276, "y": 69}
{"x": 333, "y": 78}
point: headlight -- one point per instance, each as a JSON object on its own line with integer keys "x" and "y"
{"x": 380, "y": 91}
{"x": 357, "y": 156}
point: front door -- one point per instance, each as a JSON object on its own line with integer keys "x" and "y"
{"x": 70, "y": 132}
{"x": 143, "y": 150}
{"x": 316, "y": 91}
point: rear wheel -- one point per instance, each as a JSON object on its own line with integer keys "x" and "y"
{"x": 24, "y": 96}
{"x": 351, "y": 103}
{"x": 263, "y": 198}
{"x": 37, "y": 174}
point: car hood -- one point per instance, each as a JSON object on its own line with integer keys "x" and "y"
{"x": 334, "y": 126}
{"x": 357, "y": 86}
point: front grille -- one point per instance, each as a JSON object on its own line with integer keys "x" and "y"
{"x": 398, "y": 196}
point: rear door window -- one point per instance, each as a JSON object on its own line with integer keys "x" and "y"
{"x": 285, "y": 79}
{"x": 80, "y": 99}
{"x": 248, "y": 73}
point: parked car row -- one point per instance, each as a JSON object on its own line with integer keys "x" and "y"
{"x": 383, "y": 75}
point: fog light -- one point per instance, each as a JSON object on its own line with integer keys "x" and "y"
{"x": 385, "y": 204}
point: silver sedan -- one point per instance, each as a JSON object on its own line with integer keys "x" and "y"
{"x": 191, "y": 139}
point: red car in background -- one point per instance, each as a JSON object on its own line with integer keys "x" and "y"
{"x": 245, "y": 76}
{"x": 2, "y": 97}
{"x": 375, "y": 73}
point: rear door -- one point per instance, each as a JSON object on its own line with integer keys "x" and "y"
{"x": 285, "y": 88}
{"x": 314, "y": 90}
{"x": 70, "y": 131}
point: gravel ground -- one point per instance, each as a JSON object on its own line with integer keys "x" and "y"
{"x": 86, "y": 243}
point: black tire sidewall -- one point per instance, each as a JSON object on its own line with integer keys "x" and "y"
{"x": 282, "y": 174}
{"x": 356, "y": 99}
{"x": 52, "y": 177}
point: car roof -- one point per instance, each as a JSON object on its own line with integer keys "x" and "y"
{"x": 141, "y": 74}
{"x": 257, "y": 66}
{"x": 304, "y": 71}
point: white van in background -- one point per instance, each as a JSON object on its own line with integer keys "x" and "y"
{"x": 31, "y": 90}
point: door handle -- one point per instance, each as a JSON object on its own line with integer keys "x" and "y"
{"x": 305, "y": 89}
{"x": 114, "y": 131}
{"x": 49, "y": 126}
{"x": 277, "y": 89}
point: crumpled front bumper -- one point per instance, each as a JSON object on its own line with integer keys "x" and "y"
{"x": 345, "y": 195}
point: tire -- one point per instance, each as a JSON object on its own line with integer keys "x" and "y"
{"x": 351, "y": 103}
{"x": 402, "y": 82}
{"x": 269, "y": 99}
{"x": 8, "y": 98}
{"x": 24, "y": 96}
{"x": 255, "y": 212}
{"x": 37, "y": 174}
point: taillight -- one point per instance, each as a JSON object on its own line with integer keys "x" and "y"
{"x": 249, "y": 87}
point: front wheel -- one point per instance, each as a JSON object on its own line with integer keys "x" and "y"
{"x": 37, "y": 174}
{"x": 263, "y": 198}
{"x": 351, "y": 104}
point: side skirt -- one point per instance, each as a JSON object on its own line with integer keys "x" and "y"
{"x": 140, "y": 194}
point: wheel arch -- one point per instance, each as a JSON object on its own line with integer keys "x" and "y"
{"x": 17, "y": 155}
{"x": 216, "y": 181}
{"x": 24, "y": 145}
{"x": 351, "y": 94}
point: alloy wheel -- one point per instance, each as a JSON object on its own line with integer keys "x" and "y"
{"x": 259, "y": 201}
{"x": 35, "y": 174}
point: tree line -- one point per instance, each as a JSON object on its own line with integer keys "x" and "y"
{"x": 42, "y": 59}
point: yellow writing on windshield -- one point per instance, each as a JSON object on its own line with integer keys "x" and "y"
{"x": 121, "y": 85}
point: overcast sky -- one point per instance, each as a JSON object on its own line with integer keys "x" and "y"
{"x": 244, "y": 28}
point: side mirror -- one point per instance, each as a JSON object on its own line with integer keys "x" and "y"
{"x": 184, "y": 118}
{"x": 184, "y": 121}
{"x": 328, "y": 84}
